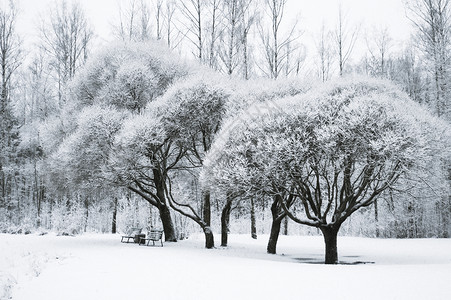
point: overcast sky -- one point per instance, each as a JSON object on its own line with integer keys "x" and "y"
{"x": 310, "y": 14}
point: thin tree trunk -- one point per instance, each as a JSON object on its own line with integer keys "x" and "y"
{"x": 253, "y": 221}
{"x": 86, "y": 214}
{"x": 376, "y": 218}
{"x": 225, "y": 220}
{"x": 330, "y": 239}
{"x": 113, "y": 224}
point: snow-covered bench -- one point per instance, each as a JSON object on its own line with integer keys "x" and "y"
{"x": 154, "y": 236}
{"x": 134, "y": 234}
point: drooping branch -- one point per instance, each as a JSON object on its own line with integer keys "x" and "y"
{"x": 151, "y": 200}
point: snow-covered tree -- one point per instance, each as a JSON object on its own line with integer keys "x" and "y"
{"x": 193, "y": 114}
{"x": 246, "y": 94}
{"x": 334, "y": 150}
{"x": 432, "y": 20}
{"x": 120, "y": 81}
{"x": 10, "y": 59}
{"x": 143, "y": 156}
{"x": 128, "y": 75}
{"x": 86, "y": 151}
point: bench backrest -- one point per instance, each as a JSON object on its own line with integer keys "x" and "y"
{"x": 134, "y": 231}
{"x": 155, "y": 234}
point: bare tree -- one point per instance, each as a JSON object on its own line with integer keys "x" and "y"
{"x": 294, "y": 54}
{"x": 158, "y": 17}
{"x": 232, "y": 11}
{"x": 408, "y": 71}
{"x": 192, "y": 11}
{"x": 345, "y": 39}
{"x": 325, "y": 53}
{"x": 214, "y": 8}
{"x": 379, "y": 44}
{"x": 133, "y": 22}
{"x": 66, "y": 38}
{"x": 10, "y": 60}
{"x": 10, "y": 51}
{"x": 273, "y": 43}
{"x": 249, "y": 17}
{"x": 173, "y": 35}
{"x": 433, "y": 23}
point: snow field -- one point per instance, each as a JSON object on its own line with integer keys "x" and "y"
{"x": 100, "y": 267}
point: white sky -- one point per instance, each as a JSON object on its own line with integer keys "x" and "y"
{"x": 311, "y": 14}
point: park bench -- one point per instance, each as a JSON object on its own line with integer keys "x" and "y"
{"x": 154, "y": 236}
{"x": 134, "y": 233}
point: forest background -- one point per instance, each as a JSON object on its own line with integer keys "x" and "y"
{"x": 258, "y": 42}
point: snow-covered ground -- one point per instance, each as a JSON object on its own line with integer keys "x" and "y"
{"x": 100, "y": 267}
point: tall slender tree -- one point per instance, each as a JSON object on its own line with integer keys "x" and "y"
{"x": 192, "y": 11}
{"x": 10, "y": 60}
{"x": 213, "y": 32}
{"x": 232, "y": 11}
{"x": 345, "y": 39}
{"x": 66, "y": 38}
{"x": 379, "y": 44}
{"x": 325, "y": 53}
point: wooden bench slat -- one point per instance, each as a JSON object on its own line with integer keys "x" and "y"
{"x": 154, "y": 236}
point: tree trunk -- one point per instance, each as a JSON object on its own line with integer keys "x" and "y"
{"x": 113, "y": 224}
{"x": 207, "y": 208}
{"x": 330, "y": 240}
{"x": 209, "y": 239}
{"x": 165, "y": 215}
{"x": 168, "y": 225}
{"x": 41, "y": 196}
{"x": 253, "y": 221}
{"x": 86, "y": 214}
{"x": 376, "y": 219}
{"x": 285, "y": 226}
{"x": 275, "y": 227}
{"x": 225, "y": 220}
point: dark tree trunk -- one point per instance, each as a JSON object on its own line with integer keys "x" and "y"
{"x": 277, "y": 218}
{"x": 41, "y": 195}
{"x": 273, "y": 237}
{"x": 168, "y": 225}
{"x": 253, "y": 221}
{"x": 225, "y": 220}
{"x": 113, "y": 224}
{"x": 165, "y": 215}
{"x": 86, "y": 214}
{"x": 209, "y": 239}
{"x": 285, "y": 226}
{"x": 330, "y": 240}
{"x": 207, "y": 208}
{"x": 376, "y": 218}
